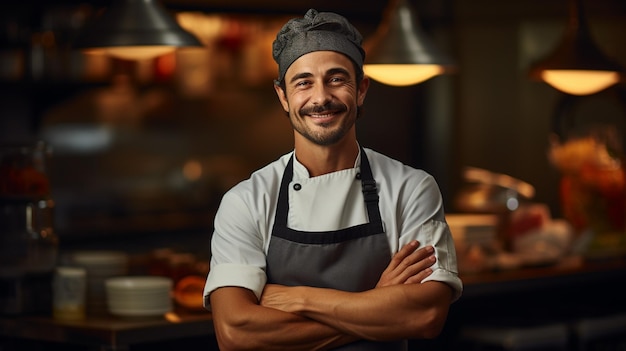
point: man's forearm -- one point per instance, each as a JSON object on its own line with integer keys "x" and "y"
{"x": 399, "y": 307}
{"x": 241, "y": 324}
{"x": 387, "y": 313}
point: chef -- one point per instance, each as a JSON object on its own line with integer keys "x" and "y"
{"x": 333, "y": 245}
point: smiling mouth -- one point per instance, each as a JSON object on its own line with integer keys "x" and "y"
{"x": 323, "y": 112}
{"x": 328, "y": 114}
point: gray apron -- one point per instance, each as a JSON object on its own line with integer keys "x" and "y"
{"x": 350, "y": 259}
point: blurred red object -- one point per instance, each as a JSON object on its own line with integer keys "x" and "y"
{"x": 22, "y": 171}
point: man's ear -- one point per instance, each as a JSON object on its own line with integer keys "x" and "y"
{"x": 282, "y": 97}
{"x": 363, "y": 86}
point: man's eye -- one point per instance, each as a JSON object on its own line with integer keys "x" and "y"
{"x": 302, "y": 83}
{"x": 336, "y": 79}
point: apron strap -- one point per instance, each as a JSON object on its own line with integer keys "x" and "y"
{"x": 282, "y": 207}
{"x": 370, "y": 191}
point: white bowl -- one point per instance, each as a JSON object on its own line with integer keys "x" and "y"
{"x": 139, "y": 295}
{"x": 139, "y": 283}
{"x": 141, "y": 312}
{"x": 99, "y": 258}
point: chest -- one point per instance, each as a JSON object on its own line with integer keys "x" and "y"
{"x": 328, "y": 202}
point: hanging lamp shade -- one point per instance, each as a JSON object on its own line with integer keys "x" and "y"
{"x": 577, "y": 66}
{"x": 134, "y": 29}
{"x": 400, "y": 53}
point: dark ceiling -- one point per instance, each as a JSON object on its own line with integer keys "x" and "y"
{"x": 362, "y": 8}
{"x": 365, "y": 14}
{"x": 368, "y": 11}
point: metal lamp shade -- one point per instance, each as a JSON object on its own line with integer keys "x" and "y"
{"x": 132, "y": 27}
{"x": 577, "y": 66}
{"x": 400, "y": 53}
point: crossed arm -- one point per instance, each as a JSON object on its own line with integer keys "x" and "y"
{"x": 306, "y": 318}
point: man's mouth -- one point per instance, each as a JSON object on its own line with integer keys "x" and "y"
{"x": 321, "y": 112}
{"x": 328, "y": 114}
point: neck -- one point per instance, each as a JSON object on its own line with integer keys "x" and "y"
{"x": 320, "y": 160}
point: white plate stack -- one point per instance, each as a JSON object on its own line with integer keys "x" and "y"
{"x": 139, "y": 296}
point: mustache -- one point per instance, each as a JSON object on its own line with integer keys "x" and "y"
{"x": 320, "y": 109}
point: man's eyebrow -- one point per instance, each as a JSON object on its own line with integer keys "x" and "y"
{"x": 338, "y": 70}
{"x": 330, "y": 72}
{"x": 300, "y": 76}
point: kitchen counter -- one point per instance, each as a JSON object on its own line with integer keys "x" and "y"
{"x": 495, "y": 295}
{"x": 568, "y": 293}
{"x": 570, "y": 271}
{"x": 108, "y": 333}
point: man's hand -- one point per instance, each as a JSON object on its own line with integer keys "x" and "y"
{"x": 410, "y": 265}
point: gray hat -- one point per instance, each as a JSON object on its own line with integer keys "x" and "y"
{"x": 317, "y": 31}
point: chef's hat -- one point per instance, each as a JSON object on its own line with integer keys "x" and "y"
{"x": 317, "y": 31}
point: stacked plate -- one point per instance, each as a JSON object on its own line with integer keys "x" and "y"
{"x": 139, "y": 296}
{"x": 99, "y": 265}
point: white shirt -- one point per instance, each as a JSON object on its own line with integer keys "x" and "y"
{"x": 410, "y": 205}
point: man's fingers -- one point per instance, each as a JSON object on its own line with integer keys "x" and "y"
{"x": 419, "y": 270}
{"x": 393, "y": 274}
{"x": 409, "y": 265}
{"x": 416, "y": 264}
{"x": 417, "y": 278}
{"x": 404, "y": 252}
{"x": 416, "y": 258}
{"x": 399, "y": 259}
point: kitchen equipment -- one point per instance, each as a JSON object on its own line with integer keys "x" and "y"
{"x": 100, "y": 265}
{"x": 488, "y": 192}
{"x": 475, "y": 238}
{"x": 28, "y": 243}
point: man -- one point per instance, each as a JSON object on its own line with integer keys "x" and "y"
{"x": 302, "y": 250}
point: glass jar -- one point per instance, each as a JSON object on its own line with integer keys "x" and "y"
{"x": 593, "y": 190}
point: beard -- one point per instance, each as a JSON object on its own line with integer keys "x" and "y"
{"x": 326, "y": 133}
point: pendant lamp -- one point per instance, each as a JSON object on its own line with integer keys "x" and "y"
{"x": 134, "y": 30}
{"x": 577, "y": 66}
{"x": 400, "y": 53}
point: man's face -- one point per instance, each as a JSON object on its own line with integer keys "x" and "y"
{"x": 321, "y": 96}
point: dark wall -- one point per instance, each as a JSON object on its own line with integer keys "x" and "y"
{"x": 488, "y": 114}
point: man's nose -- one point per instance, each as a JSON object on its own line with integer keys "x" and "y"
{"x": 320, "y": 94}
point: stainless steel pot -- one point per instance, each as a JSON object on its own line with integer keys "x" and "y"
{"x": 488, "y": 192}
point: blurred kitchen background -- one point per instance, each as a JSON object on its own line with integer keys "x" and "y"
{"x": 134, "y": 155}
{"x": 144, "y": 149}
